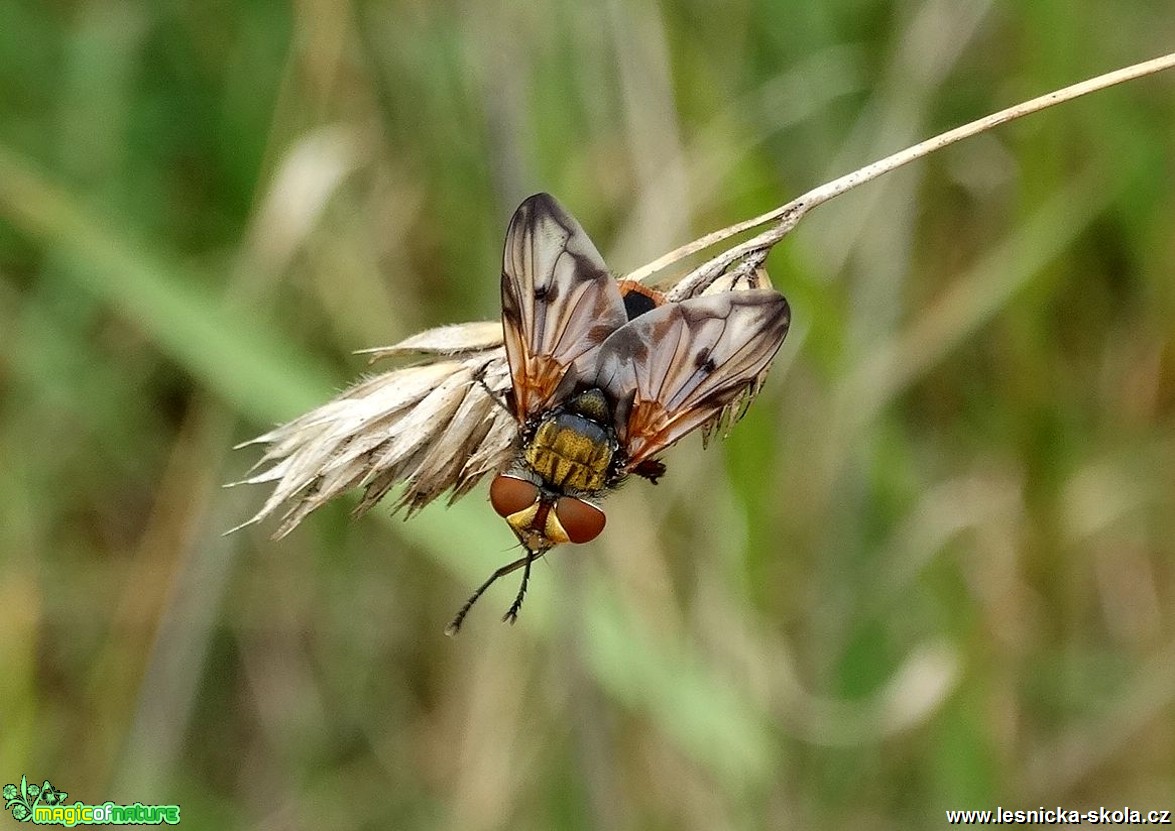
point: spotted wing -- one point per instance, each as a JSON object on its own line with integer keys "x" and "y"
{"x": 673, "y": 369}
{"x": 559, "y": 303}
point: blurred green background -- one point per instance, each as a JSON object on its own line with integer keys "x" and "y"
{"x": 931, "y": 569}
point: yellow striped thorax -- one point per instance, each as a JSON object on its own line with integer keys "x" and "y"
{"x": 572, "y": 449}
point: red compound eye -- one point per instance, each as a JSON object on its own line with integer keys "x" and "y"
{"x": 581, "y": 520}
{"x": 509, "y": 494}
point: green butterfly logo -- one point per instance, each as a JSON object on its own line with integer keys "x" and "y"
{"x": 23, "y": 798}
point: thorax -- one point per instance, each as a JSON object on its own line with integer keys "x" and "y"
{"x": 573, "y": 446}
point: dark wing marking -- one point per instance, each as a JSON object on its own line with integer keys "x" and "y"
{"x": 559, "y": 303}
{"x": 674, "y": 368}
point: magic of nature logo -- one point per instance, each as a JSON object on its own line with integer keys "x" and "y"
{"x": 45, "y": 804}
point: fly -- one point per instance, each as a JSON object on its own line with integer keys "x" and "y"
{"x": 604, "y": 375}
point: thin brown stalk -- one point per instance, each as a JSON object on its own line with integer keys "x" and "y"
{"x": 786, "y": 217}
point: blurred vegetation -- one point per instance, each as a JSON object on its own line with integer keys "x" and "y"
{"x": 933, "y": 567}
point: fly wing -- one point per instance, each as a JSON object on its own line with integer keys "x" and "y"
{"x": 559, "y": 303}
{"x": 673, "y": 369}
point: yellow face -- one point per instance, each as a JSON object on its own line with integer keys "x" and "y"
{"x": 537, "y": 532}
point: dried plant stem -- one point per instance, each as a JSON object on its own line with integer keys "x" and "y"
{"x": 786, "y": 217}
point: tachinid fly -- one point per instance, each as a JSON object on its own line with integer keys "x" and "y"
{"x": 582, "y": 383}
{"x": 605, "y": 374}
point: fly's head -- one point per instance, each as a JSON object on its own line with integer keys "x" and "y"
{"x": 540, "y": 516}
